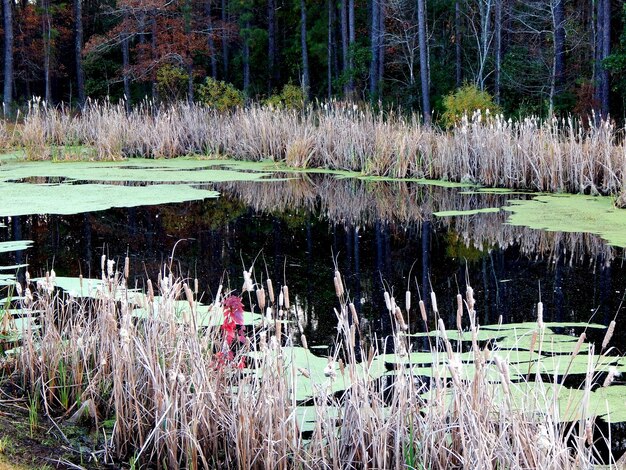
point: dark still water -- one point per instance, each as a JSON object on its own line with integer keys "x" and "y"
{"x": 377, "y": 232}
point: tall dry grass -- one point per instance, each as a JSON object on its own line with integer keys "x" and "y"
{"x": 552, "y": 155}
{"x": 179, "y": 401}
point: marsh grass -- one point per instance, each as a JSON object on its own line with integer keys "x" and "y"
{"x": 545, "y": 155}
{"x": 182, "y": 396}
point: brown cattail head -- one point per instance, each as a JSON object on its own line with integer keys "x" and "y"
{"x": 150, "y": 291}
{"x": 286, "y": 295}
{"x": 270, "y": 291}
{"x": 103, "y": 263}
{"x": 579, "y": 344}
{"x": 188, "y": 294}
{"x": 609, "y": 334}
{"x": 260, "y": 298}
{"x": 355, "y": 316}
{"x": 304, "y": 372}
{"x": 540, "y": 315}
{"x": 613, "y": 372}
{"x": 195, "y": 286}
{"x": 339, "y": 290}
{"x": 387, "y": 300}
{"x": 304, "y": 342}
{"x": 126, "y": 267}
{"x": 400, "y": 319}
{"x": 423, "y": 311}
{"x": 459, "y": 312}
{"x": 469, "y": 295}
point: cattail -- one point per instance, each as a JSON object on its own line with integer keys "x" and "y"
{"x": 338, "y": 284}
{"x": 303, "y": 340}
{"x": 188, "y": 294}
{"x": 126, "y": 267}
{"x": 53, "y": 275}
{"x": 540, "y": 315}
{"x": 393, "y": 304}
{"x": 268, "y": 314}
{"x": 579, "y": 344}
{"x": 195, "y": 286}
{"x": 442, "y": 329}
{"x": 270, "y": 291}
{"x": 613, "y": 372}
{"x": 423, "y": 311}
{"x": 387, "y": 300}
{"x": 353, "y": 335}
{"x": 608, "y": 335}
{"x": 304, "y": 372}
{"x": 281, "y": 299}
{"x": 355, "y": 316}
{"x": 260, "y": 298}
{"x": 470, "y": 298}
{"x": 407, "y": 301}
{"x": 533, "y": 341}
{"x": 110, "y": 265}
{"x": 18, "y": 289}
{"x": 400, "y": 319}
{"x": 342, "y": 367}
{"x": 329, "y": 370}
{"x": 103, "y": 259}
{"x": 248, "y": 285}
{"x": 219, "y": 293}
{"x": 589, "y": 432}
{"x": 80, "y": 282}
{"x": 286, "y": 296}
{"x": 459, "y": 312}
{"x": 150, "y": 291}
{"x": 433, "y": 300}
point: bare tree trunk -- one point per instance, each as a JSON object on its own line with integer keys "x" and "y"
{"x": 381, "y": 46}
{"x": 374, "y": 45}
{"x": 606, "y": 51}
{"x": 498, "y": 51}
{"x": 344, "y": 44}
{"x": 47, "y": 46}
{"x": 457, "y": 43}
{"x": 598, "y": 54}
{"x": 211, "y": 39}
{"x": 126, "y": 69}
{"x": 352, "y": 40}
{"x": 246, "y": 59}
{"x": 78, "y": 50}
{"x": 153, "y": 44}
{"x": 306, "y": 85}
{"x": 271, "y": 27}
{"x": 423, "y": 46}
{"x": 8, "y": 55}
{"x": 559, "y": 45}
{"x": 329, "y": 51}
{"x": 225, "y": 38}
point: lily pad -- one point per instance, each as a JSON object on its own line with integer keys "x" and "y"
{"x": 484, "y": 210}
{"x": 10, "y": 246}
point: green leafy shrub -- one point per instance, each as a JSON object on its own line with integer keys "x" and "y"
{"x": 172, "y": 83}
{"x": 219, "y": 95}
{"x": 291, "y": 97}
{"x": 467, "y": 100}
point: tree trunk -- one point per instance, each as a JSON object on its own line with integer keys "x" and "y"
{"x": 329, "y": 47}
{"x": 126, "y": 69}
{"x": 246, "y": 59}
{"x": 211, "y": 39}
{"x": 306, "y": 86}
{"x": 559, "y": 45}
{"x": 423, "y": 46}
{"x": 381, "y": 46}
{"x": 225, "y": 38}
{"x": 78, "y": 50}
{"x": 606, "y": 51}
{"x": 344, "y": 45}
{"x": 457, "y": 43}
{"x": 8, "y": 55}
{"x": 374, "y": 45}
{"x": 498, "y": 51}
{"x": 47, "y": 47}
{"x": 271, "y": 33}
{"x": 153, "y": 47}
{"x": 598, "y": 55}
{"x": 352, "y": 40}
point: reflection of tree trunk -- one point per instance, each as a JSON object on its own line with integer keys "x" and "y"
{"x": 558, "y": 286}
{"x": 87, "y": 242}
{"x": 486, "y": 318}
{"x": 16, "y": 226}
{"x": 357, "y": 271}
{"x": 426, "y": 231}
{"x": 385, "y": 322}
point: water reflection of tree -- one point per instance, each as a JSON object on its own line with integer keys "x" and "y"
{"x": 366, "y": 203}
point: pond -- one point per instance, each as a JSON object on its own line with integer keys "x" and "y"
{"x": 214, "y": 219}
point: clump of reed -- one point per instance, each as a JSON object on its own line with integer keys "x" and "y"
{"x": 544, "y": 155}
{"x": 182, "y": 395}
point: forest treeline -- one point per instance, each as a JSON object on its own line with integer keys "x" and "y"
{"x": 532, "y": 56}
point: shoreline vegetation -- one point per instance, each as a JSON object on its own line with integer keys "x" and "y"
{"x": 168, "y": 381}
{"x": 557, "y": 155}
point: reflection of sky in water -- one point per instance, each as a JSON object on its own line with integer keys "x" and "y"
{"x": 377, "y": 231}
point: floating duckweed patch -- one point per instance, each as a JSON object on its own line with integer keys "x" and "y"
{"x": 571, "y": 213}
{"x": 484, "y": 210}
{"x": 24, "y": 199}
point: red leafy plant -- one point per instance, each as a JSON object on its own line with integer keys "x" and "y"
{"x": 232, "y": 328}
